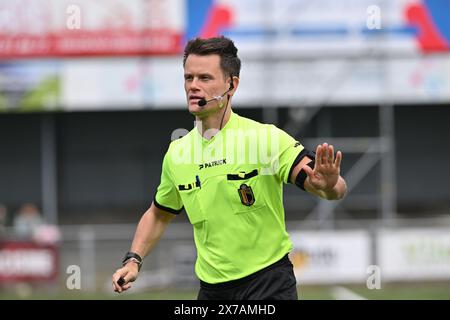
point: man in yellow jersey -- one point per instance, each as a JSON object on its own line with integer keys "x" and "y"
{"x": 228, "y": 174}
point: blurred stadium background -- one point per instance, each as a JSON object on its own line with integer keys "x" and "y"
{"x": 91, "y": 91}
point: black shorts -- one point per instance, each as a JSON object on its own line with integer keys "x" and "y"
{"x": 275, "y": 282}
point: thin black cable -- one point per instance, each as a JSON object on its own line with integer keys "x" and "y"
{"x": 225, "y": 111}
{"x": 228, "y": 100}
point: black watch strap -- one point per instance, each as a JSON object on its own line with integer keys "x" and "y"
{"x": 132, "y": 256}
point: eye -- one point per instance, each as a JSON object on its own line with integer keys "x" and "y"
{"x": 187, "y": 77}
{"x": 205, "y": 78}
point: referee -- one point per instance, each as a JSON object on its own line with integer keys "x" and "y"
{"x": 228, "y": 174}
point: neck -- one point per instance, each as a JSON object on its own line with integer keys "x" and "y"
{"x": 209, "y": 125}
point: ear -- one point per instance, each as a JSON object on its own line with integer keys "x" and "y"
{"x": 234, "y": 83}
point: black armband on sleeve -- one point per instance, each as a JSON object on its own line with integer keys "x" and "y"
{"x": 304, "y": 153}
{"x": 301, "y": 176}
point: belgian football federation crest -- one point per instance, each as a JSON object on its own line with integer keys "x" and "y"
{"x": 246, "y": 195}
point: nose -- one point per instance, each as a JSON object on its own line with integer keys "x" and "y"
{"x": 193, "y": 85}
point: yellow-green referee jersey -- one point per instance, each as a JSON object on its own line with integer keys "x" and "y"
{"x": 231, "y": 188}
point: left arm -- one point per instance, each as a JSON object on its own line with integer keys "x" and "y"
{"x": 324, "y": 180}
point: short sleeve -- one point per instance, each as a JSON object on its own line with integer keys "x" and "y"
{"x": 167, "y": 196}
{"x": 288, "y": 150}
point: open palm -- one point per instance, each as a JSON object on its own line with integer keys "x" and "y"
{"x": 327, "y": 168}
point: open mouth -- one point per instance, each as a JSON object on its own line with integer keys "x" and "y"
{"x": 194, "y": 99}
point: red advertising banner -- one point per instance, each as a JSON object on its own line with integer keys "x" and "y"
{"x": 90, "y": 43}
{"x": 62, "y": 28}
{"x": 27, "y": 261}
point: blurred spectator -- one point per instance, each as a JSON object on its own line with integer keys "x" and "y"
{"x": 29, "y": 224}
{"x": 27, "y": 221}
{"x": 47, "y": 234}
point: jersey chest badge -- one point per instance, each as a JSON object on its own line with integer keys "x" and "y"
{"x": 246, "y": 195}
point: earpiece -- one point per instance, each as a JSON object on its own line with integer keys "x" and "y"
{"x": 231, "y": 85}
{"x": 231, "y": 88}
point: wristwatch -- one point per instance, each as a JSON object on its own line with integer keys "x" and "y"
{"x": 132, "y": 257}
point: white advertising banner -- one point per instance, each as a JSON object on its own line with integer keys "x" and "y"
{"x": 329, "y": 27}
{"x": 330, "y": 256}
{"x": 132, "y": 83}
{"x": 157, "y": 83}
{"x": 319, "y": 82}
{"x": 414, "y": 254}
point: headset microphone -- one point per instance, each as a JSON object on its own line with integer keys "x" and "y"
{"x": 202, "y": 102}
